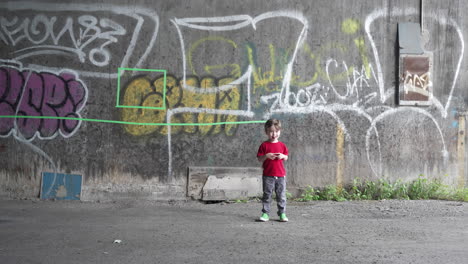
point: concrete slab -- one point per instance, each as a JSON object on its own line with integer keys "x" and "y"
{"x": 227, "y": 182}
{"x": 231, "y": 188}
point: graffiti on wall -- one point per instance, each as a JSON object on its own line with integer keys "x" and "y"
{"x": 232, "y": 83}
{"x": 81, "y": 34}
{"x": 142, "y": 91}
{"x": 29, "y": 93}
{"x": 415, "y": 79}
{"x": 47, "y": 96}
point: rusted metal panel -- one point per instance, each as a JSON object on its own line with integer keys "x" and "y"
{"x": 415, "y": 85}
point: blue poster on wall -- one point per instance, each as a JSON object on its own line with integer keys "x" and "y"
{"x": 61, "y": 186}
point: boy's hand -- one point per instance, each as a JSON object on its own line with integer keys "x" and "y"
{"x": 281, "y": 156}
{"x": 271, "y": 156}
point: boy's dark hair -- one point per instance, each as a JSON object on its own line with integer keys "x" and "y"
{"x": 273, "y": 122}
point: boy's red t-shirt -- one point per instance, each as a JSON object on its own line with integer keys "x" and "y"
{"x": 273, "y": 167}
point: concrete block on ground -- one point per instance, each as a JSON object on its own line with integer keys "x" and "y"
{"x": 224, "y": 183}
{"x": 231, "y": 188}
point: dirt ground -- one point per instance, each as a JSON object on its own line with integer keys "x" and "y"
{"x": 34, "y": 231}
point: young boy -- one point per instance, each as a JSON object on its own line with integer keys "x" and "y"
{"x": 272, "y": 153}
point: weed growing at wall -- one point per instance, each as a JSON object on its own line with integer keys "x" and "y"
{"x": 421, "y": 188}
{"x": 309, "y": 194}
{"x": 461, "y": 195}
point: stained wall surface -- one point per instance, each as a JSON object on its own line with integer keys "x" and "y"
{"x": 130, "y": 94}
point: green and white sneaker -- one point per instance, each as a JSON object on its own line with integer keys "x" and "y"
{"x": 283, "y": 218}
{"x": 264, "y": 217}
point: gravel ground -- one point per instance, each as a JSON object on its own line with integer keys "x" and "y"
{"x": 34, "y": 231}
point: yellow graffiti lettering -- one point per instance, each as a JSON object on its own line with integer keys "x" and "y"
{"x": 295, "y": 79}
{"x": 206, "y": 101}
{"x": 350, "y": 26}
{"x": 230, "y": 100}
{"x": 235, "y": 69}
{"x": 200, "y": 42}
{"x": 266, "y": 79}
{"x": 141, "y": 92}
{"x": 361, "y": 45}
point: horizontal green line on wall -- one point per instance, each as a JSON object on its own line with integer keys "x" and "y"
{"x": 137, "y": 123}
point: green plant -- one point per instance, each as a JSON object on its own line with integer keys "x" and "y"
{"x": 368, "y": 189}
{"x": 421, "y": 188}
{"x": 418, "y": 189}
{"x": 461, "y": 194}
{"x": 400, "y": 190}
{"x": 385, "y": 190}
{"x": 355, "y": 191}
{"x": 333, "y": 193}
{"x": 309, "y": 194}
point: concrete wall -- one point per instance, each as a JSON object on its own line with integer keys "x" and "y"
{"x": 327, "y": 69}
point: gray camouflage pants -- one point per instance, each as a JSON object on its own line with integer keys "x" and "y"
{"x": 279, "y": 185}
